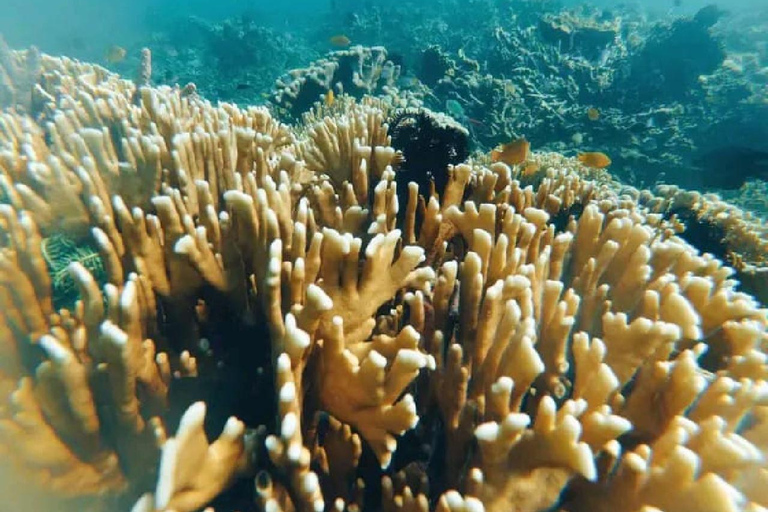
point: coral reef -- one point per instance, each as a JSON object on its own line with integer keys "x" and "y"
{"x": 430, "y": 143}
{"x": 539, "y": 72}
{"x": 435, "y": 65}
{"x": 671, "y": 59}
{"x": 18, "y": 74}
{"x": 568, "y": 79}
{"x": 721, "y": 229}
{"x": 588, "y": 36}
{"x": 235, "y": 60}
{"x": 514, "y": 341}
{"x": 355, "y": 71}
{"x": 541, "y": 81}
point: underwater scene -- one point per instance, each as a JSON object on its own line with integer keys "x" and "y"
{"x": 384, "y": 255}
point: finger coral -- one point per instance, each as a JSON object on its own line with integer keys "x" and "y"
{"x": 507, "y": 342}
{"x": 730, "y": 233}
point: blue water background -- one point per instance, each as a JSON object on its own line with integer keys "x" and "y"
{"x": 84, "y": 28}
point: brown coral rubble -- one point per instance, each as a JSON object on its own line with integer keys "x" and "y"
{"x": 502, "y": 346}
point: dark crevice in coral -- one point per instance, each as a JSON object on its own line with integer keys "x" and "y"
{"x": 429, "y": 142}
{"x": 707, "y": 237}
{"x": 563, "y": 217}
{"x": 235, "y": 379}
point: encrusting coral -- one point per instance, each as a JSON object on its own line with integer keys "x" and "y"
{"x": 511, "y": 343}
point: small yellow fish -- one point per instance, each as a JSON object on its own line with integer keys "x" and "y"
{"x": 594, "y": 159}
{"x": 512, "y": 153}
{"x": 115, "y": 54}
{"x": 529, "y": 168}
{"x": 340, "y": 40}
{"x": 329, "y": 98}
{"x": 593, "y": 114}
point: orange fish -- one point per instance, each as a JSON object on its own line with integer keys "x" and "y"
{"x": 340, "y": 40}
{"x": 529, "y": 168}
{"x": 594, "y": 159}
{"x": 593, "y": 114}
{"x": 329, "y": 98}
{"x": 512, "y": 153}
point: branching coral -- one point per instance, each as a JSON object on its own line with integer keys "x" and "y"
{"x": 720, "y": 228}
{"x": 77, "y": 423}
{"x": 356, "y": 71}
{"x": 573, "y": 33}
{"x": 500, "y": 345}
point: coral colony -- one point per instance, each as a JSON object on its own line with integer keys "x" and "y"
{"x": 202, "y": 306}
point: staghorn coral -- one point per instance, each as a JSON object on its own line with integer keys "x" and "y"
{"x": 511, "y": 343}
